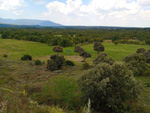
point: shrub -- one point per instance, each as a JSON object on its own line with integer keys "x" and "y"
{"x": 137, "y": 63}
{"x": 62, "y": 91}
{"x": 56, "y": 62}
{"x": 148, "y": 60}
{"x": 26, "y": 57}
{"x": 58, "y": 49}
{"x": 147, "y": 42}
{"x": 141, "y": 50}
{"x": 148, "y": 51}
{"x": 5, "y": 56}
{"x": 102, "y": 58}
{"x": 85, "y": 66}
{"x": 111, "y": 88}
{"x": 78, "y": 49}
{"x": 98, "y": 47}
{"x": 69, "y": 63}
{"x": 38, "y": 62}
{"x": 116, "y": 42}
{"x": 85, "y": 54}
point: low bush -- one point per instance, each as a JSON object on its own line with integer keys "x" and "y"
{"x": 85, "y": 66}
{"x": 141, "y": 50}
{"x": 69, "y": 63}
{"x": 58, "y": 49}
{"x": 102, "y": 58}
{"x": 56, "y": 62}
{"x": 26, "y": 57}
{"x": 38, "y": 62}
{"x": 5, "y": 55}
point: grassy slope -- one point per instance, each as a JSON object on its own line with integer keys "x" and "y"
{"x": 16, "y": 73}
{"x": 16, "y": 48}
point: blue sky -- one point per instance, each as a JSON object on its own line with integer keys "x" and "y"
{"x": 131, "y": 13}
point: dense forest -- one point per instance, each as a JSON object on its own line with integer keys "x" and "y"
{"x": 68, "y": 36}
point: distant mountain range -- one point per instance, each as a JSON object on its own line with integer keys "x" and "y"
{"x": 28, "y": 22}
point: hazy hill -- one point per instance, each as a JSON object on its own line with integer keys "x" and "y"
{"x": 29, "y": 22}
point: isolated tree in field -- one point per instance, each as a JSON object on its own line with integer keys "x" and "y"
{"x": 111, "y": 88}
{"x": 98, "y": 47}
{"x": 85, "y": 54}
{"x": 58, "y": 49}
{"x": 78, "y": 49}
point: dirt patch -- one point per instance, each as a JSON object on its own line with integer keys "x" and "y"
{"x": 74, "y": 58}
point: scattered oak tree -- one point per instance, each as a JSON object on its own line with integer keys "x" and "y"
{"x": 85, "y": 54}
{"x": 98, "y": 47}
{"x": 111, "y": 88}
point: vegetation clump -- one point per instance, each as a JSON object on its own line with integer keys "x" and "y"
{"x": 85, "y": 54}
{"x": 98, "y": 46}
{"x": 111, "y": 88}
{"x": 62, "y": 91}
{"x": 38, "y": 62}
{"x": 78, "y": 49}
{"x": 141, "y": 50}
{"x": 102, "y": 58}
{"x": 85, "y": 66}
{"x": 137, "y": 63}
{"x": 56, "y": 62}
{"x": 69, "y": 63}
{"x": 58, "y": 49}
{"x": 5, "y": 55}
{"x": 26, "y": 57}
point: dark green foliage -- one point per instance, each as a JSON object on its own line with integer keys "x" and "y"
{"x": 137, "y": 63}
{"x": 147, "y": 42}
{"x": 61, "y": 91}
{"x": 26, "y": 57}
{"x": 85, "y": 66}
{"x": 102, "y": 58}
{"x": 115, "y": 38}
{"x": 5, "y": 56}
{"x": 78, "y": 49}
{"x": 38, "y": 62}
{"x": 56, "y": 62}
{"x": 148, "y": 60}
{"x": 69, "y": 63}
{"x": 141, "y": 50}
{"x": 116, "y": 42}
{"x": 58, "y": 49}
{"x": 98, "y": 46}
{"x": 65, "y": 42}
{"x": 111, "y": 88}
{"x": 85, "y": 54}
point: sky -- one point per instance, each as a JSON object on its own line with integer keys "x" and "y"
{"x": 127, "y": 13}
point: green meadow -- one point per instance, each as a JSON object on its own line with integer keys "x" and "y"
{"x": 15, "y": 49}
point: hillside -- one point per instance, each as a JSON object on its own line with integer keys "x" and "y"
{"x": 28, "y": 22}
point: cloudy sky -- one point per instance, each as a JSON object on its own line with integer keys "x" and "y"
{"x": 131, "y": 13}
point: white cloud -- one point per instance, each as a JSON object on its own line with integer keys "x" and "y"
{"x": 144, "y": 2}
{"x": 40, "y": 2}
{"x": 10, "y": 4}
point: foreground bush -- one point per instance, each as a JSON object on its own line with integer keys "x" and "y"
{"x": 111, "y": 88}
{"x": 56, "y": 62}
{"x": 26, "y": 57}
{"x": 61, "y": 91}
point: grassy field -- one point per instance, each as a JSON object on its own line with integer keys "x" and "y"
{"x": 15, "y": 49}
{"x": 15, "y": 74}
